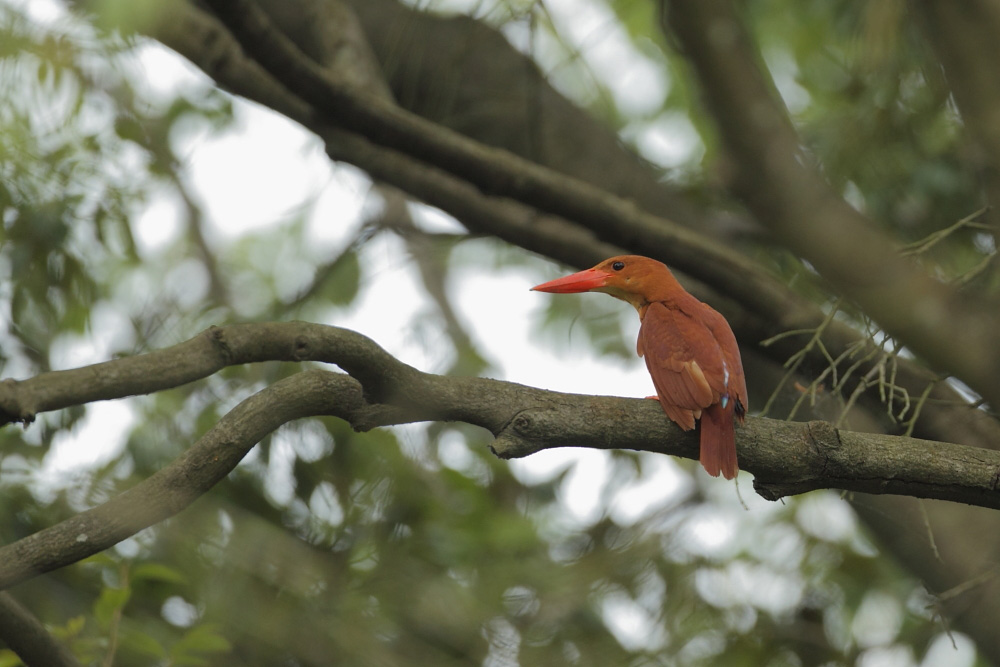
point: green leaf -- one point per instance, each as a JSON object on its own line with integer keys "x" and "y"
{"x": 110, "y": 601}
{"x": 344, "y": 279}
{"x": 9, "y": 659}
{"x": 73, "y": 628}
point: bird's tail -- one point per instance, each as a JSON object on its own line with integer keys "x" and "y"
{"x": 718, "y": 441}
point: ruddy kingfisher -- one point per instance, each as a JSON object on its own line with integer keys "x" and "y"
{"x": 689, "y": 349}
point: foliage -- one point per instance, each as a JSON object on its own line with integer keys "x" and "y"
{"x": 415, "y": 546}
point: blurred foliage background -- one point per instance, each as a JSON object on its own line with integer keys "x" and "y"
{"x": 414, "y": 545}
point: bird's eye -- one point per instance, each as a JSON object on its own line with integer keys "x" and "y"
{"x": 618, "y": 266}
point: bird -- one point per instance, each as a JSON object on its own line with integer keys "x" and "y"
{"x": 689, "y": 349}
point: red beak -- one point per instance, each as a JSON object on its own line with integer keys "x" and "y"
{"x": 584, "y": 281}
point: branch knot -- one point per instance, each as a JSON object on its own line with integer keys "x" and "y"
{"x": 302, "y": 351}
{"x": 218, "y": 337}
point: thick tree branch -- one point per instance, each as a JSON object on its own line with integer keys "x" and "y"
{"x": 199, "y": 37}
{"x": 775, "y": 177}
{"x": 175, "y": 487}
{"x": 786, "y": 457}
{"x": 497, "y": 95}
{"x": 27, "y": 637}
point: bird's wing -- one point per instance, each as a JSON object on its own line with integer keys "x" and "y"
{"x": 684, "y": 360}
{"x": 736, "y": 384}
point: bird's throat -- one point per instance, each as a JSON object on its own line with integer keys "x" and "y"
{"x": 638, "y": 302}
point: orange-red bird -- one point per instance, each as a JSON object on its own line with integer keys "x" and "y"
{"x": 689, "y": 349}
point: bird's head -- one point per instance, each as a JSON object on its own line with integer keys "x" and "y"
{"x": 632, "y": 278}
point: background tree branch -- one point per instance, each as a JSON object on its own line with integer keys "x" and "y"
{"x": 496, "y": 95}
{"x": 29, "y": 639}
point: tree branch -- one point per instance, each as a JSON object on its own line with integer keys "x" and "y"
{"x": 200, "y": 37}
{"x": 497, "y": 95}
{"x": 786, "y": 457}
{"x": 28, "y": 638}
{"x": 774, "y": 176}
{"x": 173, "y": 488}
